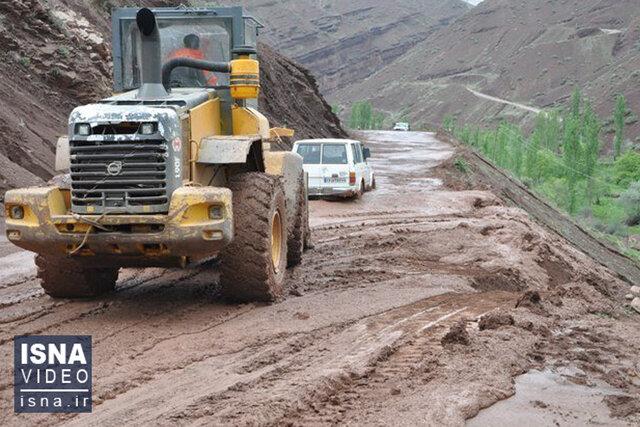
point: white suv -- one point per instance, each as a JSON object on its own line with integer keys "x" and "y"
{"x": 336, "y": 167}
{"x": 402, "y": 126}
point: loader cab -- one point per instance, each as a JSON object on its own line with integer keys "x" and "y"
{"x": 221, "y": 34}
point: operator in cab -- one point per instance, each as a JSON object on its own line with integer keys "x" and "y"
{"x": 186, "y": 77}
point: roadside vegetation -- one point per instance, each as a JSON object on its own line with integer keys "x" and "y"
{"x": 365, "y": 117}
{"x": 562, "y": 160}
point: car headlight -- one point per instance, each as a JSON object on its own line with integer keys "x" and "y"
{"x": 83, "y": 129}
{"x": 215, "y": 212}
{"x": 16, "y": 212}
{"x": 148, "y": 128}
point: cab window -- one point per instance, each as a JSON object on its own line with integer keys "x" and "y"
{"x": 310, "y": 153}
{"x": 202, "y": 38}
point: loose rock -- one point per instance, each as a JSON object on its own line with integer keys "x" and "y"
{"x": 495, "y": 320}
{"x": 457, "y": 334}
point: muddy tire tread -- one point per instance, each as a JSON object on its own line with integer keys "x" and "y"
{"x": 246, "y": 272}
{"x": 296, "y": 239}
{"x": 67, "y": 278}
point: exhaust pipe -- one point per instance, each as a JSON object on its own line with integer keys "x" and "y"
{"x": 150, "y": 56}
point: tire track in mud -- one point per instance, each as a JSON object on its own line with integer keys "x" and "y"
{"x": 139, "y": 286}
{"x": 402, "y": 365}
{"x": 307, "y": 377}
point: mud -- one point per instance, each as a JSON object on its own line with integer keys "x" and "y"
{"x": 359, "y": 337}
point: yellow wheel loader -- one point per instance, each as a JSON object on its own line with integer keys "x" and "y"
{"x": 173, "y": 170}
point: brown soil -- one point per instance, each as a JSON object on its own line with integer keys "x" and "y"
{"x": 457, "y": 334}
{"x": 359, "y": 337}
{"x": 623, "y": 406}
{"x": 495, "y": 320}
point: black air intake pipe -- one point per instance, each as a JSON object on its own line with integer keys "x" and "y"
{"x": 150, "y": 56}
{"x": 167, "y": 69}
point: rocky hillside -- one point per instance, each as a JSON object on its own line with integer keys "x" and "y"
{"x": 56, "y": 54}
{"x": 343, "y": 42}
{"x": 532, "y": 52}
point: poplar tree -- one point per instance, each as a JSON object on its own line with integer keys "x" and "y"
{"x": 618, "y": 121}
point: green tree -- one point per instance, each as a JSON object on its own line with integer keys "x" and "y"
{"x": 591, "y": 128}
{"x": 366, "y": 115}
{"x": 378, "y": 120}
{"x": 571, "y": 157}
{"x": 354, "y": 118}
{"x": 532, "y": 157}
{"x": 550, "y": 128}
{"x": 618, "y": 121}
{"x": 576, "y": 103}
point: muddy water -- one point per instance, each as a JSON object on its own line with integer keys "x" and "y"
{"x": 550, "y": 398}
{"x": 357, "y": 339}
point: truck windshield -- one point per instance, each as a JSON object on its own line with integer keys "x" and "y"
{"x": 194, "y": 38}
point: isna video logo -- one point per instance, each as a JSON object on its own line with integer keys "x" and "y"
{"x": 52, "y": 373}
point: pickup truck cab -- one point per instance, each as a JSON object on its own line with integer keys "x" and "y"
{"x": 336, "y": 167}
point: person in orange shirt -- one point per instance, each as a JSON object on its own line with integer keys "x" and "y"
{"x": 192, "y": 50}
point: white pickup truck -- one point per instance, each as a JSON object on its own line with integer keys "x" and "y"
{"x": 336, "y": 167}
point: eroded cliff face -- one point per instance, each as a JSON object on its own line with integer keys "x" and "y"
{"x": 57, "y": 55}
{"x": 343, "y": 42}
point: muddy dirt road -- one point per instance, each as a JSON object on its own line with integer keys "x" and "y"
{"x": 404, "y": 313}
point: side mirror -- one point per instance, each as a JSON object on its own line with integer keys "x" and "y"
{"x": 366, "y": 153}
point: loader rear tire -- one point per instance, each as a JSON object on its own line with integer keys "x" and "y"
{"x": 68, "y": 278}
{"x": 253, "y": 265}
{"x": 297, "y": 239}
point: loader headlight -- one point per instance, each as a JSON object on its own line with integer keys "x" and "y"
{"x": 83, "y": 129}
{"x": 216, "y": 212}
{"x": 148, "y": 128}
{"x": 16, "y": 212}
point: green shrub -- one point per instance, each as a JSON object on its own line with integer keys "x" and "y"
{"x": 627, "y": 168}
{"x": 630, "y": 201}
{"x": 461, "y": 164}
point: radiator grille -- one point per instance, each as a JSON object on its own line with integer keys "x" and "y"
{"x": 119, "y": 175}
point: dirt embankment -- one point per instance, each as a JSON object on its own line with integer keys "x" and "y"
{"x": 290, "y": 98}
{"x": 57, "y": 55}
{"x": 483, "y": 174}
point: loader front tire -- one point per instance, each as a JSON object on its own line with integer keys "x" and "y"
{"x": 253, "y": 265}
{"x": 67, "y": 278}
{"x": 296, "y": 243}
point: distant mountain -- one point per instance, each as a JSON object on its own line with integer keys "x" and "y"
{"x": 343, "y": 42}
{"x": 532, "y": 52}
